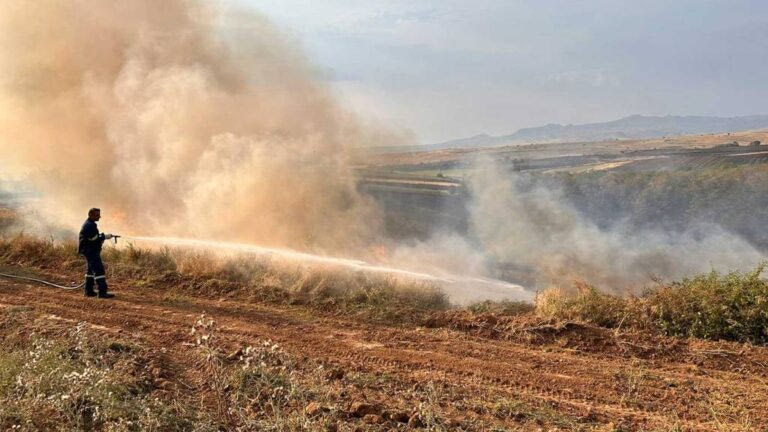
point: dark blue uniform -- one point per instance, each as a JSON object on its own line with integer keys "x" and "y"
{"x": 89, "y": 246}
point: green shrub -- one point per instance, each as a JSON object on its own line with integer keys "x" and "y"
{"x": 712, "y": 306}
{"x": 733, "y": 306}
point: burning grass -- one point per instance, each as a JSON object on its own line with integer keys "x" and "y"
{"x": 375, "y": 297}
{"x": 714, "y": 306}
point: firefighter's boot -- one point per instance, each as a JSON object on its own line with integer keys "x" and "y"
{"x": 103, "y": 289}
{"x": 89, "y": 283}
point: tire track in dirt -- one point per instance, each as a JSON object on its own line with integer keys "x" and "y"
{"x": 577, "y": 383}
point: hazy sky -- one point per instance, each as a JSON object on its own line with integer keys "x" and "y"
{"x": 452, "y": 68}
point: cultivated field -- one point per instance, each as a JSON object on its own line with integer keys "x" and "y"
{"x": 575, "y": 154}
{"x": 191, "y": 344}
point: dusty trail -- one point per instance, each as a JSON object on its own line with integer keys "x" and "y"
{"x": 698, "y": 387}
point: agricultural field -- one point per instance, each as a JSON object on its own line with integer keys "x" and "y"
{"x": 228, "y": 216}
{"x": 691, "y": 180}
{"x": 689, "y": 151}
{"x": 191, "y": 344}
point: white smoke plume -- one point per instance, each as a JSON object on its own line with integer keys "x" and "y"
{"x": 536, "y": 228}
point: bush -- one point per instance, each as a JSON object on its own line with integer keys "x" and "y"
{"x": 712, "y": 306}
{"x": 733, "y": 306}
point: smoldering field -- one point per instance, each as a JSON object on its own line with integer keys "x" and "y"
{"x": 534, "y": 223}
{"x": 193, "y": 120}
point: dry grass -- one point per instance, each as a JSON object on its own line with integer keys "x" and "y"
{"x": 63, "y": 377}
{"x": 373, "y": 297}
{"x": 733, "y": 306}
{"x": 587, "y": 303}
{"x": 67, "y": 378}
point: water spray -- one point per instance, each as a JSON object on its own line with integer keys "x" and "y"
{"x": 458, "y": 287}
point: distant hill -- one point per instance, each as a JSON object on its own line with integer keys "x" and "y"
{"x": 632, "y": 127}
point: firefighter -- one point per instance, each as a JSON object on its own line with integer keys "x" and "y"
{"x": 89, "y": 246}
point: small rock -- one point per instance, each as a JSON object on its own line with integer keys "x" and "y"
{"x": 455, "y": 423}
{"x": 399, "y": 416}
{"x": 163, "y": 384}
{"x": 373, "y": 419}
{"x": 589, "y": 416}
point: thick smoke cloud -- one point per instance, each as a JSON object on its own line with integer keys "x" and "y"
{"x": 178, "y": 119}
{"x": 181, "y": 119}
{"x": 536, "y": 228}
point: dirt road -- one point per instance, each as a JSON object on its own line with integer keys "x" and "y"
{"x": 569, "y": 378}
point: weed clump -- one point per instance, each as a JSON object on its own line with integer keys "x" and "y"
{"x": 589, "y": 304}
{"x": 501, "y": 308}
{"x": 73, "y": 380}
{"x": 732, "y": 306}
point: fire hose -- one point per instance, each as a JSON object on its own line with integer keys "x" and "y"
{"x": 31, "y": 279}
{"x": 44, "y": 282}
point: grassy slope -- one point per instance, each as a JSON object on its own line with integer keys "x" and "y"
{"x": 376, "y": 298}
{"x": 710, "y": 306}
